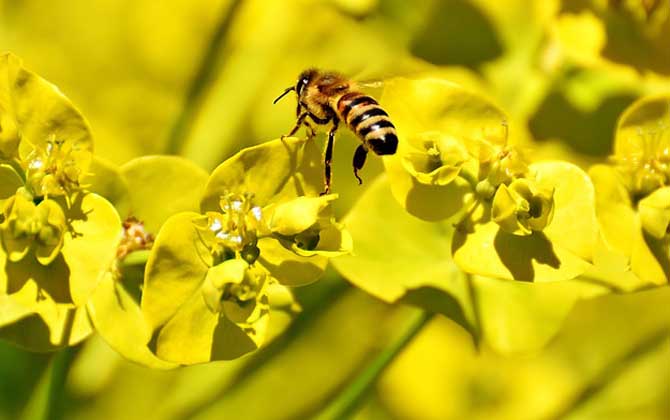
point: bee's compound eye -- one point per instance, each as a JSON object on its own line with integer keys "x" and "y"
{"x": 301, "y": 84}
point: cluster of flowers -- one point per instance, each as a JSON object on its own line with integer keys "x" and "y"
{"x": 213, "y": 266}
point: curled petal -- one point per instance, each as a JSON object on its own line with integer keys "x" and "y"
{"x": 299, "y": 214}
{"x": 655, "y": 213}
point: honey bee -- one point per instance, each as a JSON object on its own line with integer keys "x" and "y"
{"x": 327, "y": 97}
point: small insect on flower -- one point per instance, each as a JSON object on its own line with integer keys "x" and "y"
{"x": 325, "y": 98}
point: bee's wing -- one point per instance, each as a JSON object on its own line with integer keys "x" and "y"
{"x": 374, "y": 79}
{"x": 371, "y": 84}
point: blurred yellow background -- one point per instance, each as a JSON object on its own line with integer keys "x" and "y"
{"x": 197, "y": 78}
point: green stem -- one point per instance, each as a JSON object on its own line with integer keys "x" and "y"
{"x": 347, "y": 402}
{"x": 208, "y": 65}
{"x": 469, "y": 177}
{"x": 56, "y": 391}
{"x": 47, "y": 401}
{"x": 476, "y": 319}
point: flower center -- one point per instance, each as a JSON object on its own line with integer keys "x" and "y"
{"x": 235, "y": 230}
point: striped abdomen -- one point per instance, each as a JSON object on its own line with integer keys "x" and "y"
{"x": 369, "y": 121}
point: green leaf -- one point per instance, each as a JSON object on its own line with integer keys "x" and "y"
{"x": 519, "y": 317}
{"x": 589, "y": 369}
{"x": 106, "y": 180}
{"x": 38, "y": 110}
{"x": 161, "y": 186}
{"x": 10, "y": 181}
{"x": 117, "y": 317}
{"x": 400, "y": 258}
{"x": 273, "y": 171}
{"x": 602, "y": 342}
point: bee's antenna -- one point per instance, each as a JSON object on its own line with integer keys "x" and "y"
{"x": 283, "y": 94}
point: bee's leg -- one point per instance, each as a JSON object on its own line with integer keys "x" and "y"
{"x": 359, "y": 160}
{"x": 298, "y": 124}
{"x": 312, "y": 132}
{"x": 329, "y": 155}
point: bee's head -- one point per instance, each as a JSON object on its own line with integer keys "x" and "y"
{"x": 303, "y": 80}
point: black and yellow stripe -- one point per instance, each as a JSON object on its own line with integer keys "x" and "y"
{"x": 369, "y": 121}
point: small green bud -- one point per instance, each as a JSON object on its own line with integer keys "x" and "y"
{"x": 509, "y": 166}
{"x": 522, "y": 207}
{"x": 250, "y": 253}
{"x": 485, "y": 190}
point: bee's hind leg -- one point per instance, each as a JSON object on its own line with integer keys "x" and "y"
{"x": 329, "y": 156}
{"x": 359, "y": 160}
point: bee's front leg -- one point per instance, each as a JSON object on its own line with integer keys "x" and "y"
{"x": 312, "y": 132}
{"x": 301, "y": 120}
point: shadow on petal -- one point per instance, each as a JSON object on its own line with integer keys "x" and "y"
{"x": 230, "y": 341}
{"x": 518, "y": 252}
{"x": 52, "y": 279}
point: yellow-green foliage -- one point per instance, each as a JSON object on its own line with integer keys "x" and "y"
{"x": 510, "y": 261}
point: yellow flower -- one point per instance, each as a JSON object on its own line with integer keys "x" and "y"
{"x": 522, "y": 207}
